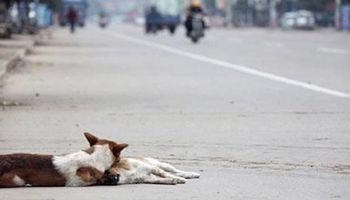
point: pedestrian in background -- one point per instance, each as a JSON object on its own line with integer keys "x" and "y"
{"x": 72, "y": 17}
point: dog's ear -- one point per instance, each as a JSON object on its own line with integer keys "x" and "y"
{"x": 91, "y": 138}
{"x": 118, "y": 148}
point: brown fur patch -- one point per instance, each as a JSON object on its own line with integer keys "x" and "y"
{"x": 122, "y": 164}
{"x": 34, "y": 169}
{"x": 113, "y": 146}
{"x": 90, "y": 174}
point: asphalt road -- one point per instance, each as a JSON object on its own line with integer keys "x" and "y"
{"x": 260, "y": 114}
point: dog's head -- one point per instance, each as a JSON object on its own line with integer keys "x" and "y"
{"x": 115, "y": 148}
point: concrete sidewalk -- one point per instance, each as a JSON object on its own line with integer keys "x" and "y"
{"x": 13, "y": 50}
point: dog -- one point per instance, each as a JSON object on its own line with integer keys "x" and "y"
{"x": 83, "y": 168}
{"x": 148, "y": 170}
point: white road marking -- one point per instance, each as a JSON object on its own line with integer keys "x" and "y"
{"x": 239, "y": 68}
{"x": 333, "y": 50}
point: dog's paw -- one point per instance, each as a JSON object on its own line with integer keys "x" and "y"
{"x": 194, "y": 175}
{"x": 189, "y": 175}
{"x": 180, "y": 180}
{"x": 173, "y": 181}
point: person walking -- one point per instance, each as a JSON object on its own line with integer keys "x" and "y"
{"x": 72, "y": 17}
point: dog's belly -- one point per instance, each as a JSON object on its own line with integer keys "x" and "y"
{"x": 132, "y": 176}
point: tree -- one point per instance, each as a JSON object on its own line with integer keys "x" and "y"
{"x": 314, "y": 5}
{"x": 55, "y": 5}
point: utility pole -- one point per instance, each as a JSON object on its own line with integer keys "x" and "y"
{"x": 229, "y": 14}
{"x": 337, "y": 14}
{"x": 272, "y": 14}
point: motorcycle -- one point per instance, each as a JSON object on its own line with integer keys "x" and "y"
{"x": 197, "y": 31}
{"x": 103, "y": 20}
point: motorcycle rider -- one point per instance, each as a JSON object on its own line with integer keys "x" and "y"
{"x": 195, "y": 8}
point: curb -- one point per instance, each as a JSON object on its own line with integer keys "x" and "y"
{"x": 11, "y": 63}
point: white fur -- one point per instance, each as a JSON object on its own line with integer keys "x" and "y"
{"x": 101, "y": 159}
{"x": 150, "y": 170}
{"x": 18, "y": 181}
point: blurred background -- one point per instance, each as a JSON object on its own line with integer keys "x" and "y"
{"x": 25, "y": 16}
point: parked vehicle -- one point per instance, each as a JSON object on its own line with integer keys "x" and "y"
{"x": 158, "y": 22}
{"x": 167, "y": 16}
{"x": 171, "y": 22}
{"x": 301, "y": 19}
{"x": 305, "y": 20}
{"x": 79, "y": 5}
{"x": 5, "y": 22}
{"x": 153, "y": 20}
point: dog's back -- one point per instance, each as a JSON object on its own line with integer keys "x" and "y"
{"x": 28, "y": 169}
{"x": 81, "y": 168}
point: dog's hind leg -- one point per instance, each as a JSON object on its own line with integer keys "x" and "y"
{"x": 11, "y": 180}
{"x": 171, "y": 169}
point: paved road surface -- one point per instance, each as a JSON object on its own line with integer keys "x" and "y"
{"x": 260, "y": 114}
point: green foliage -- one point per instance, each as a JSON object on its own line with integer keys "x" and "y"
{"x": 314, "y": 5}
{"x": 55, "y": 5}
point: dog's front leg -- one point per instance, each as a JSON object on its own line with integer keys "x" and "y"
{"x": 163, "y": 174}
{"x": 171, "y": 169}
{"x": 152, "y": 179}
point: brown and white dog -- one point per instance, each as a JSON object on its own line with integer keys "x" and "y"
{"x": 83, "y": 168}
{"x": 148, "y": 170}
